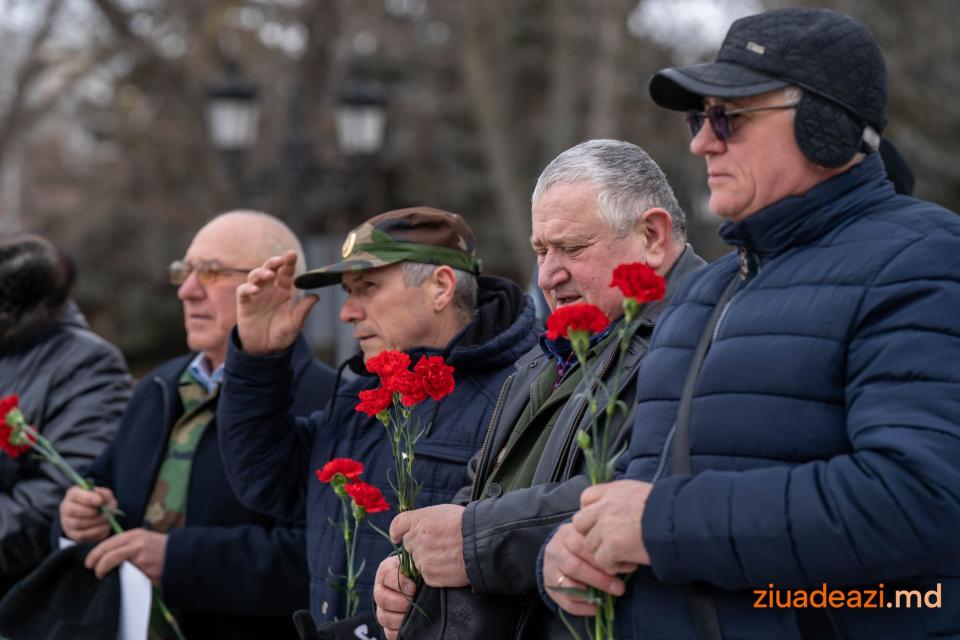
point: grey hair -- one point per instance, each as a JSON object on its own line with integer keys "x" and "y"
{"x": 792, "y": 94}
{"x": 277, "y": 238}
{"x": 464, "y": 293}
{"x": 627, "y": 180}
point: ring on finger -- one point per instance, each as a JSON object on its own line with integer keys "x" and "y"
{"x": 561, "y": 579}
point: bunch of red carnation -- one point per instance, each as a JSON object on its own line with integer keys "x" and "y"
{"x": 391, "y": 403}
{"x": 639, "y": 284}
{"x": 431, "y": 377}
{"x": 359, "y": 499}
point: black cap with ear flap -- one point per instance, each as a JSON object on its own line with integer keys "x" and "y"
{"x": 828, "y": 134}
{"x": 833, "y": 58}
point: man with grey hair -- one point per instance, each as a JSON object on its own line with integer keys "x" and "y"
{"x": 598, "y": 204}
{"x": 164, "y": 473}
{"x": 413, "y": 284}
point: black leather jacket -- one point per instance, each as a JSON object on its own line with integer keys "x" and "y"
{"x": 502, "y": 535}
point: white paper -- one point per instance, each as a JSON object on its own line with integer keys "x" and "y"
{"x": 136, "y": 594}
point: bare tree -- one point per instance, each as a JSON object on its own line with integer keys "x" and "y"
{"x": 30, "y": 70}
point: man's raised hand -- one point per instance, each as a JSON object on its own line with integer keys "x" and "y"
{"x": 268, "y": 315}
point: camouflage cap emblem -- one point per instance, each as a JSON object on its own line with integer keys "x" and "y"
{"x": 348, "y": 245}
{"x": 417, "y": 234}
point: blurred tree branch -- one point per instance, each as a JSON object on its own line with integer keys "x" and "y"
{"x": 603, "y": 117}
{"x": 496, "y": 133}
{"x": 30, "y": 70}
{"x": 564, "y": 80}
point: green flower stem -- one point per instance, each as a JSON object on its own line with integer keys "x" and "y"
{"x": 350, "y": 536}
{"x": 403, "y": 435}
{"x": 596, "y": 449}
{"x": 46, "y": 450}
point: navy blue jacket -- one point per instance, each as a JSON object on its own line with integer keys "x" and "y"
{"x": 228, "y": 563}
{"x": 271, "y": 458}
{"x": 825, "y": 438}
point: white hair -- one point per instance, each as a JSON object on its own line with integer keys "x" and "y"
{"x": 627, "y": 180}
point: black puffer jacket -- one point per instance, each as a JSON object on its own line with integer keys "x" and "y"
{"x": 73, "y": 387}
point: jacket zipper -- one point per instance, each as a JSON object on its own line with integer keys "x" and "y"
{"x": 580, "y": 413}
{"x": 475, "y": 489}
{"x": 743, "y": 255}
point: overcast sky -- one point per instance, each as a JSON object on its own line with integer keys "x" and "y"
{"x": 693, "y": 28}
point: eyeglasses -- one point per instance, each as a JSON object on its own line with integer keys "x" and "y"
{"x": 721, "y": 120}
{"x": 208, "y": 271}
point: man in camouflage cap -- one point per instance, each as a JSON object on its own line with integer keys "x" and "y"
{"x": 413, "y": 285}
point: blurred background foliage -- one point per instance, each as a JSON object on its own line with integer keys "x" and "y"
{"x": 105, "y": 145}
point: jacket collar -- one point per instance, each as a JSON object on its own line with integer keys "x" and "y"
{"x": 799, "y": 220}
{"x": 687, "y": 263}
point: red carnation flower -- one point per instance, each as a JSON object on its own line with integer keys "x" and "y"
{"x": 367, "y": 496}
{"x": 638, "y": 281}
{"x": 7, "y": 432}
{"x": 347, "y": 467}
{"x": 373, "y": 401}
{"x": 435, "y": 375}
{"x": 408, "y": 385}
{"x": 582, "y": 316}
{"x": 11, "y": 449}
{"x": 388, "y": 363}
{"x": 7, "y": 403}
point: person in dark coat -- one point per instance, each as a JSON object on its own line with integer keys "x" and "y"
{"x": 73, "y": 386}
{"x": 596, "y": 205}
{"x": 820, "y": 459}
{"x": 413, "y": 284}
{"x": 224, "y": 570}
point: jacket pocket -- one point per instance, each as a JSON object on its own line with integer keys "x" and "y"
{"x": 441, "y": 468}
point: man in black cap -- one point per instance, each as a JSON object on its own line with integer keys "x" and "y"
{"x": 413, "y": 285}
{"x": 794, "y": 456}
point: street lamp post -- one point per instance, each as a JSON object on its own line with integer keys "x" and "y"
{"x": 233, "y": 111}
{"x": 361, "y": 116}
{"x": 233, "y": 117}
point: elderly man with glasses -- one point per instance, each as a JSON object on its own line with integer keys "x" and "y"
{"x": 797, "y": 432}
{"x": 226, "y": 571}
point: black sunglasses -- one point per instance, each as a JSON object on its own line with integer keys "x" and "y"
{"x": 721, "y": 119}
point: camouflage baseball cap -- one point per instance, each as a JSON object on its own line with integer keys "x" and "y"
{"x": 417, "y": 234}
